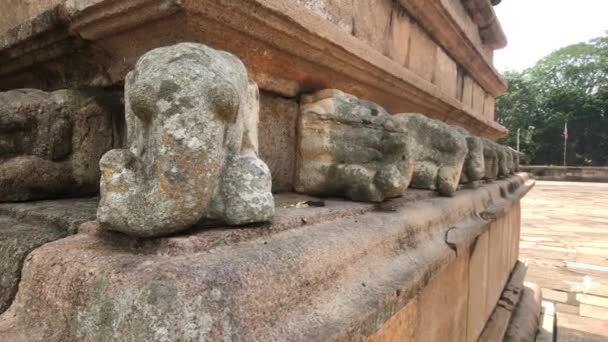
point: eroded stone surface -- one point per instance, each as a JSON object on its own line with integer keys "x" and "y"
{"x": 51, "y": 143}
{"x": 339, "y": 278}
{"x": 352, "y": 148}
{"x": 26, "y": 226}
{"x": 490, "y": 156}
{"x": 474, "y": 163}
{"x": 192, "y": 133}
{"x": 438, "y": 150}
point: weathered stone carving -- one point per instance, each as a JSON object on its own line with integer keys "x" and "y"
{"x": 354, "y": 148}
{"x": 490, "y": 156}
{"x": 192, "y": 134}
{"x": 51, "y": 143}
{"x": 350, "y": 147}
{"x": 474, "y": 166}
{"x": 515, "y": 156}
{"x": 500, "y": 161}
{"x": 503, "y": 161}
{"x": 438, "y": 151}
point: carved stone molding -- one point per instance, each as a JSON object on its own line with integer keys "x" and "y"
{"x": 286, "y": 49}
{"x": 435, "y": 16}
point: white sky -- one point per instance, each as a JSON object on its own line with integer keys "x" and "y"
{"x": 535, "y": 28}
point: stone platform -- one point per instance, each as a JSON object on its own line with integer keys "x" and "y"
{"x": 565, "y": 242}
{"x": 568, "y": 173}
{"x": 329, "y": 270}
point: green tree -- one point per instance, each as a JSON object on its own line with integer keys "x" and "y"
{"x": 569, "y": 85}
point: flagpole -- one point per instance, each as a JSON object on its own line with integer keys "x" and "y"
{"x": 565, "y": 140}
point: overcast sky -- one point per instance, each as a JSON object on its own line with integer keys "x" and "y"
{"x": 534, "y": 28}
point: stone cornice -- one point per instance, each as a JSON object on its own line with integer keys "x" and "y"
{"x": 443, "y": 27}
{"x": 96, "y": 19}
{"x": 287, "y": 50}
{"x": 484, "y": 16}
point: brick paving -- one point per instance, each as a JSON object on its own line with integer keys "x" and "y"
{"x": 564, "y": 240}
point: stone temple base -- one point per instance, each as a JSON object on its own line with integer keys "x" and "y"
{"x": 421, "y": 267}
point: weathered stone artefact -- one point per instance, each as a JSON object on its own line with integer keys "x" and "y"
{"x": 515, "y": 156}
{"x": 490, "y": 156}
{"x": 352, "y": 148}
{"x": 192, "y": 133}
{"x": 438, "y": 150}
{"x": 474, "y": 166}
{"x": 504, "y": 165}
{"x": 51, "y": 143}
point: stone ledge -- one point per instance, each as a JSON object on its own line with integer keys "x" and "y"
{"x": 337, "y": 278}
{"x": 596, "y": 174}
{"x": 296, "y": 51}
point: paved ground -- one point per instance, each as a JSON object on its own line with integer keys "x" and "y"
{"x": 565, "y": 242}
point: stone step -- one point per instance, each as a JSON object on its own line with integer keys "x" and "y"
{"x": 577, "y": 328}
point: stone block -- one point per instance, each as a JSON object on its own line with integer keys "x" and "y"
{"x": 523, "y": 326}
{"x": 403, "y": 326}
{"x": 338, "y": 12}
{"x": 478, "y": 99}
{"x": 14, "y": 12}
{"x": 446, "y": 74}
{"x": 491, "y": 159}
{"x": 579, "y": 328}
{"x": 592, "y": 311}
{"x": 497, "y": 277}
{"x": 566, "y": 308}
{"x": 26, "y": 226}
{"x": 399, "y": 36}
{"x": 478, "y": 287}
{"x": 278, "y": 121}
{"x": 443, "y": 304}
{"x": 51, "y": 143}
{"x": 423, "y": 54}
{"x": 555, "y": 295}
{"x": 503, "y": 313}
{"x": 438, "y": 150}
{"x": 437, "y": 313}
{"x": 351, "y": 147}
{"x": 467, "y": 91}
{"x": 592, "y": 300}
{"x": 17, "y": 239}
{"x": 192, "y": 119}
{"x": 489, "y": 107}
{"x": 371, "y": 22}
{"x": 474, "y": 163}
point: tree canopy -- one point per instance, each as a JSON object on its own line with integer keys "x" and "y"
{"x": 569, "y": 85}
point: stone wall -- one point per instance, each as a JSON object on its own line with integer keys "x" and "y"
{"x": 425, "y": 267}
{"x": 408, "y": 55}
{"x": 15, "y": 12}
{"x": 387, "y": 27}
{"x": 569, "y": 173}
{"x": 460, "y": 298}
